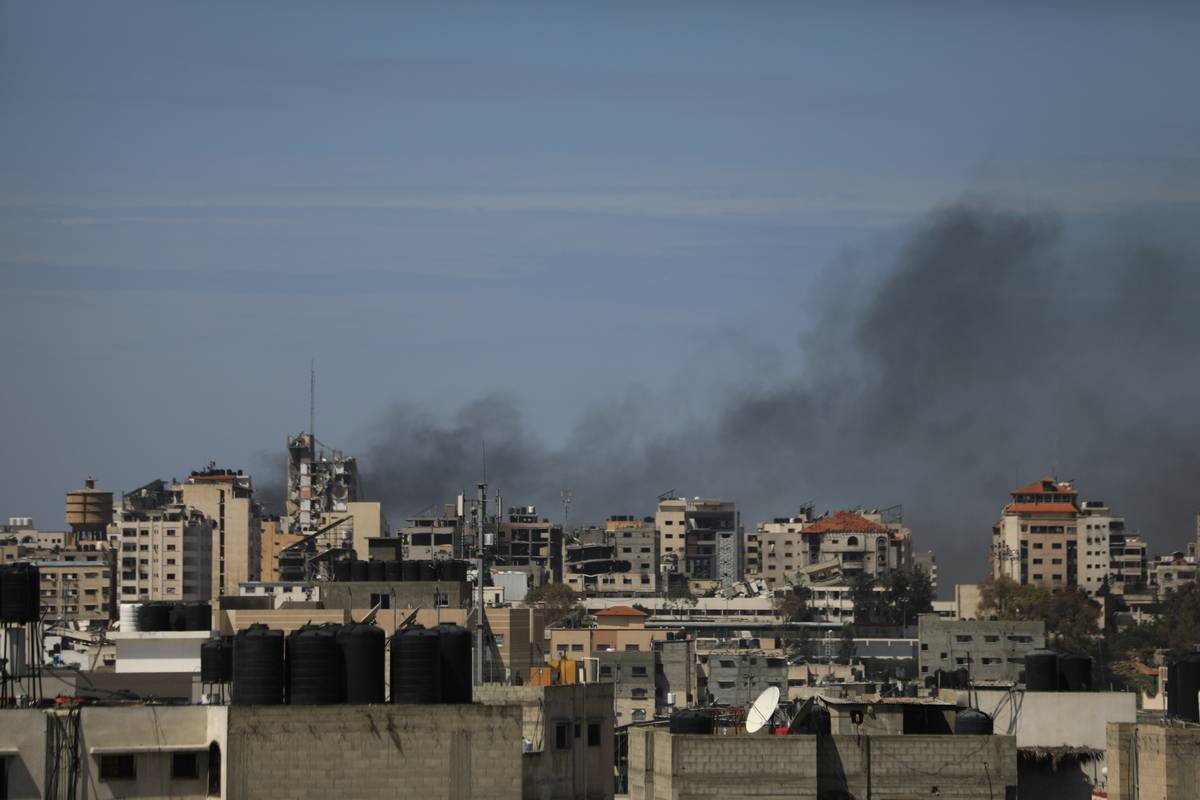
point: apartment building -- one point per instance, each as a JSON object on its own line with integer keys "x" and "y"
{"x": 226, "y": 497}
{"x": 1048, "y": 537}
{"x": 163, "y": 548}
{"x": 1173, "y": 572}
{"x": 76, "y": 586}
{"x": 530, "y": 544}
{"x": 518, "y": 641}
{"x": 275, "y": 540}
{"x": 434, "y": 536}
{"x": 736, "y": 677}
{"x": 850, "y": 543}
{"x": 990, "y": 650}
{"x": 701, "y": 539}
{"x": 619, "y": 559}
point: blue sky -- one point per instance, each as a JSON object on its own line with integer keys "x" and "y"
{"x": 568, "y": 203}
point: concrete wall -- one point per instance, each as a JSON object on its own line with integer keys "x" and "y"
{"x": 992, "y": 650}
{"x": 430, "y": 751}
{"x": 1057, "y": 719}
{"x": 663, "y": 766}
{"x": 23, "y": 746}
{"x": 1153, "y": 762}
{"x": 580, "y": 770}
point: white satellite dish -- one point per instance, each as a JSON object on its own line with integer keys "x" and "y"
{"x": 763, "y": 709}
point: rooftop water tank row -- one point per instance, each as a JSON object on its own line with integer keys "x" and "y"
{"x": 325, "y": 664}
{"x": 450, "y": 570}
{"x": 20, "y": 586}
{"x": 1048, "y": 671}
{"x": 172, "y": 617}
{"x": 1183, "y": 686}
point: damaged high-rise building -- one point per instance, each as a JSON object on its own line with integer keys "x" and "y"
{"x": 317, "y": 483}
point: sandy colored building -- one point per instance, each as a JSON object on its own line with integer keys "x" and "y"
{"x": 227, "y": 498}
{"x": 850, "y": 543}
{"x": 75, "y": 590}
{"x": 700, "y": 538}
{"x": 163, "y": 548}
{"x": 274, "y": 541}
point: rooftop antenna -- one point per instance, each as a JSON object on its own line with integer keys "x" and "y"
{"x": 312, "y": 407}
{"x": 565, "y": 494}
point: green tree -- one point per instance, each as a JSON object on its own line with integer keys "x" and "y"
{"x": 558, "y": 600}
{"x": 907, "y": 594}
{"x": 1071, "y": 617}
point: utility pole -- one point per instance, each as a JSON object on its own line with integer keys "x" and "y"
{"x": 480, "y": 517}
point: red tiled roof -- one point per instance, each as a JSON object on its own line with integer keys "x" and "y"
{"x": 845, "y": 522}
{"x": 620, "y": 611}
{"x": 1045, "y": 486}
{"x": 1041, "y": 508}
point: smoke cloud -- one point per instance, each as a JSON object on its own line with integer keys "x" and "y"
{"x": 986, "y": 354}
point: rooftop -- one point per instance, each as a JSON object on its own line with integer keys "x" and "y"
{"x": 846, "y": 522}
{"x": 620, "y": 611}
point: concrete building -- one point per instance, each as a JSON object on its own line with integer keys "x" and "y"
{"x": 1047, "y": 537}
{"x": 274, "y": 542}
{"x": 632, "y": 675}
{"x": 1152, "y": 761}
{"x": 1170, "y": 573}
{"x": 434, "y": 536}
{"x": 619, "y": 559}
{"x": 518, "y": 641}
{"x": 736, "y": 677}
{"x": 227, "y": 498}
{"x": 798, "y": 549}
{"x": 927, "y": 563}
{"x": 663, "y": 766}
{"x": 529, "y": 544}
{"x": 702, "y": 539}
{"x": 76, "y": 588}
{"x": 164, "y": 548}
{"x": 990, "y": 650}
{"x": 318, "y": 484}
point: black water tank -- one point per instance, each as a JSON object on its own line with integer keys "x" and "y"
{"x": 416, "y": 669}
{"x": 343, "y": 570}
{"x": 910, "y": 690}
{"x": 314, "y": 666}
{"x": 972, "y": 722}
{"x": 361, "y": 646}
{"x": 1074, "y": 673}
{"x": 393, "y": 571}
{"x": 20, "y": 594}
{"x": 1172, "y": 695}
{"x": 428, "y": 571}
{"x": 359, "y": 571}
{"x": 1041, "y": 671}
{"x": 216, "y": 661}
{"x": 191, "y": 617}
{"x": 376, "y": 570}
{"x": 1185, "y": 680}
{"x": 155, "y": 617}
{"x": 258, "y": 667}
{"x": 456, "y": 571}
{"x": 456, "y": 663}
{"x": 441, "y": 569}
{"x": 411, "y": 570}
{"x": 691, "y": 720}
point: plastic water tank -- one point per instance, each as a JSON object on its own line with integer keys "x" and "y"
{"x": 456, "y": 663}
{"x": 258, "y": 667}
{"x": 416, "y": 668}
{"x": 361, "y": 648}
{"x": 314, "y": 666}
{"x": 410, "y": 570}
{"x": 691, "y": 720}
{"x": 428, "y": 571}
{"x": 393, "y": 571}
{"x": 1074, "y": 673}
{"x": 342, "y": 570}
{"x": 359, "y": 571}
{"x": 1041, "y": 671}
{"x": 129, "y": 616}
{"x": 376, "y": 570}
{"x": 910, "y": 689}
{"x": 1185, "y": 680}
{"x": 20, "y": 594}
{"x": 972, "y": 722}
{"x": 155, "y": 617}
{"x": 456, "y": 571}
{"x": 216, "y": 661}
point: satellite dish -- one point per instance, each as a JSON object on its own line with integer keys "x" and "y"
{"x": 763, "y": 709}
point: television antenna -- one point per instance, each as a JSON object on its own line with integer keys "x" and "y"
{"x": 762, "y": 710}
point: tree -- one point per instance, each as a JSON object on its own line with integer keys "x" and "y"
{"x": 907, "y": 594}
{"x": 558, "y": 599}
{"x": 1071, "y": 617}
{"x": 792, "y": 606}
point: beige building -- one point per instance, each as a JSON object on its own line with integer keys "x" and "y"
{"x": 227, "y": 498}
{"x": 1047, "y": 537}
{"x": 845, "y": 544}
{"x": 163, "y": 549}
{"x": 434, "y": 536}
{"x": 518, "y": 639}
{"x": 700, "y": 538}
{"x": 274, "y": 541}
{"x": 76, "y": 587}
{"x": 1173, "y": 572}
{"x": 619, "y": 559}
{"x": 360, "y": 521}
{"x": 527, "y": 543}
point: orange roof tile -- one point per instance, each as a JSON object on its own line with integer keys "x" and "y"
{"x": 620, "y": 611}
{"x": 1041, "y": 508}
{"x": 845, "y": 522}
{"x": 1045, "y": 486}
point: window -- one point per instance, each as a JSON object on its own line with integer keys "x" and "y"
{"x": 991, "y": 638}
{"x": 724, "y": 684}
{"x": 632, "y": 648}
{"x": 184, "y": 767}
{"x": 498, "y": 638}
{"x": 638, "y": 672}
{"x": 962, "y": 637}
{"x": 562, "y": 736}
{"x": 383, "y": 600}
{"x": 593, "y": 739}
{"x": 727, "y": 663}
{"x": 924, "y": 646}
{"x": 577, "y": 648}
{"x": 638, "y": 694}
{"x": 118, "y": 768}
{"x": 639, "y": 714}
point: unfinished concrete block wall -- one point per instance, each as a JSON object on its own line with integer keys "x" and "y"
{"x": 1153, "y": 762}
{"x": 947, "y": 767}
{"x": 451, "y": 752}
{"x": 735, "y": 767}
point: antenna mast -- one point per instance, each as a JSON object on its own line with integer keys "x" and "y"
{"x": 312, "y": 406}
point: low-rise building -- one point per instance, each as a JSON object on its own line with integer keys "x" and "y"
{"x": 275, "y": 539}
{"x": 76, "y": 587}
{"x": 1152, "y": 761}
{"x": 736, "y": 677}
{"x": 990, "y": 650}
{"x": 163, "y": 547}
{"x": 434, "y": 536}
{"x": 527, "y": 543}
{"x": 850, "y": 542}
{"x": 700, "y": 539}
{"x": 619, "y": 559}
